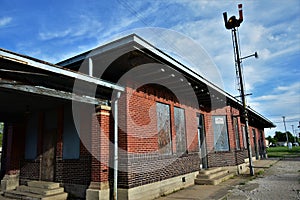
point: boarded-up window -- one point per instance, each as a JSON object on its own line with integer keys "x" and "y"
{"x": 31, "y": 137}
{"x": 244, "y": 137}
{"x": 71, "y": 140}
{"x": 201, "y": 133}
{"x": 236, "y": 132}
{"x": 163, "y": 127}
{"x": 180, "y": 130}
{"x": 220, "y": 133}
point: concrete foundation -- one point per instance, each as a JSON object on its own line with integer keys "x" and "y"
{"x": 10, "y": 182}
{"x": 157, "y": 189}
{"x": 98, "y": 191}
{"x": 242, "y": 168}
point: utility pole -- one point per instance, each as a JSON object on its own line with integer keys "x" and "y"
{"x": 286, "y": 135}
{"x": 299, "y": 132}
{"x": 233, "y": 24}
{"x": 294, "y": 133}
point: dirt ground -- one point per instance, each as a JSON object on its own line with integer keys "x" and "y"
{"x": 281, "y": 181}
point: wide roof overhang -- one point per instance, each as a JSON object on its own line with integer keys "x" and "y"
{"x": 126, "y": 53}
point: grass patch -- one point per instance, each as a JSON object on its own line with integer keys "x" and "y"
{"x": 283, "y": 151}
{"x": 260, "y": 172}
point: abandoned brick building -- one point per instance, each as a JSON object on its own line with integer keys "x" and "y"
{"x": 60, "y": 122}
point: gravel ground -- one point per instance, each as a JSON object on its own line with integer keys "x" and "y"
{"x": 281, "y": 181}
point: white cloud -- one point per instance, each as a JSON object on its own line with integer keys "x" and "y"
{"x": 282, "y": 101}
{"x": 84, "y": 27}
{"x": 280, "y": 52}
{"x": 271, "y": 28}
{"x": 5, "y": 20}
{"x": 294, "y": 87}
{"x": 53, "y": 35}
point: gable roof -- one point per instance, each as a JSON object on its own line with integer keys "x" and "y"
{"x": 134, "y": 42}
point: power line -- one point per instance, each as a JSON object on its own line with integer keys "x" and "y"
{"x": 141, "y": 19}
{"x": 280, "y": 115}
{"x": 288, "y": 121}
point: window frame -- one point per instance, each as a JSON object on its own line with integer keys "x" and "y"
{"x": 235, "y": 124}
{"x": 184, "y": 128}
{"x": 163, "y": 150}
{"x": 226, "y": 136}
{"x": 244, "y": 136}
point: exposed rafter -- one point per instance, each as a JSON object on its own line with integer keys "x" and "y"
{"x": 14, "y": 85}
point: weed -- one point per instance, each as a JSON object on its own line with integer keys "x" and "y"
{"x": 260, "y": 172}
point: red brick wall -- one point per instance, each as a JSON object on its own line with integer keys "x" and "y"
{"x": 141, "y": 163}
{"x": 224, "y": 158}
{"x": 100, "y": 134}
{"x": 139, "y": 139}
{"x": 141, "y": 122}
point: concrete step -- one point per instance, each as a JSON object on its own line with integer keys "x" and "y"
{"x": 43, "y": 184}
{"x": 211, "y": 170}
{"x": 212, "y": 175}
{"x": 15, "y": 194}
{"x": 214, "y": 181}
{"x": 41, "y": 191}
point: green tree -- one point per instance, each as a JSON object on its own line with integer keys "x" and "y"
{"x": 281, "y": 137}
{"x": 271, "y": 140}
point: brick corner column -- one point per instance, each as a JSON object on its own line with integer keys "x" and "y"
{"x": 100, "y": 132}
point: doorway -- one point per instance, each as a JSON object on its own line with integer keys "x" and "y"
{"x": 202, "y": 141}
{"x": 255, "y": 144}
{"x": 49, "y": 146}
{"x": 262, "y": 147}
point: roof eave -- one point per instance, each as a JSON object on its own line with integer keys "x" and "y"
{"x": 139, "y": 42}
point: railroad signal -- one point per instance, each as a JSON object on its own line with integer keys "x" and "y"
{"x": 233, "y": 21}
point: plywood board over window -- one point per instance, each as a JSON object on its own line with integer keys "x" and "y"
{"x": 220, "y": 133}
{"x": 164, "y": 128}
{"x": 244, "y": 137}
{"x": 31, "y": 137}
{"x": 71, "y": 140}
{"x": 236, "y": 133}
{"x": 179, "y": 118}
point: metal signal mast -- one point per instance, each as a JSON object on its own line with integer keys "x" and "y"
{"x": 233, "y": 24}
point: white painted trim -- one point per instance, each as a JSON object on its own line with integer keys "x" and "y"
{"x": 49, "y": 92}
{"x": 58, "y": 70}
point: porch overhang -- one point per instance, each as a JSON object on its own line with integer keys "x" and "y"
{"x": 24, "y": 64}
{"x": 28, "y": 83}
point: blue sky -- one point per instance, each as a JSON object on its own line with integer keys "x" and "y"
{"x": 55, "y": 30}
